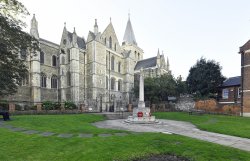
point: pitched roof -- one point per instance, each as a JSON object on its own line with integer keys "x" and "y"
{"x": 80, "y": 41}
{"x": 232, "y": 81}
{"x": 129, "y": 35}
{"x": 146, "y": 63}
{"x": 48, "y": 41}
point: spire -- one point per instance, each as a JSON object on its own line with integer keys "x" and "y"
{"x": 96, "y": 27}
{"x": 74, "y": 38}
{"x": 129, "y": 36}
{"x": 34, "y": 27}
{"x": 167, "y": 63}
{"x": 64, "y": 28}
{"x": 158, "y": 54}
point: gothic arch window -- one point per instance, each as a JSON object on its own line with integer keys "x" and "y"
{"x": 105, "y": 41}
{"x": 112, "y": 83}
{"x": 138, "y": 56}
{"x": 54, "y": 61}
{"x": 119, "y": 67}
{"x": 54, "y": 81}
{"x": 68, "y": 78}
{"x": 23, "y": 53}
{"x": 119, "y": 85}
{"x": 107, "y": 82}
{"x": 112, "y": 63}
{"x": 107, "y": 61}
{"x": 25, "y": 80}
{"x": 43, "y": 80}
{"x": 110, "y": 42}
{"x": 68, "y": 52}
{"x": 42, "y": 57}
{"x": 135, "y": 54}
{"x": 115, "y": 47}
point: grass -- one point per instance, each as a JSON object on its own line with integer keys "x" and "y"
{"x": 230, "y": 125}
{"x": 17, "y": 146}
{"x": 74, "y": 123}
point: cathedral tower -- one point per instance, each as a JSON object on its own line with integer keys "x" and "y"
{"x": 132, "y": 53}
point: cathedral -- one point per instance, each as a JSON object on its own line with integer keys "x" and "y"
{"x": 96, "y": 69}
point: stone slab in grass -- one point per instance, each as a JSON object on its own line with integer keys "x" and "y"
{"x": 17, "y": 129}
{"x": 47, "y": 134}
{"x": 8, "y": 126}
{"x": 121, "y": 134}
{"x": 104, "y": 135}
{"x": 65, "y": 135}
{"x": 31, "y": 132}
{"x": 85, "y": 135}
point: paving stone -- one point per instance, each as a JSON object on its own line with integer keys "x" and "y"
{"x": 8, "y": 126}
{"x": 47, "y": 134}
{"x": 65, "y": 135}
{"x": 105, "y": 135}
{"x": 85, "y": 135}
{"x": 121, "y": 134}
{"x": 31, "y": 132}
{"x": 17, "y": 129}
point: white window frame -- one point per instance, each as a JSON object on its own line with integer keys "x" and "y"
{"x": 224, "y": 96}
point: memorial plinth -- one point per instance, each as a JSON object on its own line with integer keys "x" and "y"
{"x": 141, "y": 114}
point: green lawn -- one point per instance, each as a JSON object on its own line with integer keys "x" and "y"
{"x": 231, "y": 125}
{"x": 17, "y": 146}
{"x": 74, "y": 123}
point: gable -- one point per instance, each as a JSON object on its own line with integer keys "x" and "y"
{"x": 108, "y": 33}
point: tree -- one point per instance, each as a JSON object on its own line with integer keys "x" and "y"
{"x": 204, "y": 78}
{"x": 12, "y": 41}
{"x": 181, "y": 86}
{"x": 158, "y": 88}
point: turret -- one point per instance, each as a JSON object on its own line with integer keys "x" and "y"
{"x": 34, "y": 28}
{"x": 158, "y": 58}
{"x": 96, "y": 27}
{"x": 74, "y": 39}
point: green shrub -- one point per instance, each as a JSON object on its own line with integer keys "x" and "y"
{"x": 70, "y": 105}
{"x": 48, "y": 105}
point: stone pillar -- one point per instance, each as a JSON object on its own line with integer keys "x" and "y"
{"x": 12, "y": 107}
{"x": 62, "y": 106}
{"x": 141, "y": 103}
{"x": 129, "y": 107}
{"x": 39, "y": 107}
{"x": 141, "y": 93}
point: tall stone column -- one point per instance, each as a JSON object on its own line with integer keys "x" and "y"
{"x": 141, "y": 103}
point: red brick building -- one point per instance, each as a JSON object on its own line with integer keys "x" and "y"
{"x": 245, "y": 78}
{"x": 230, "y": 91}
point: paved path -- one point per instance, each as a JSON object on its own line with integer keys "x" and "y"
{"x": 180, "y": 128}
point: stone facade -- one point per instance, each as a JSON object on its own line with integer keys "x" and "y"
{"x": 96, "y": 70}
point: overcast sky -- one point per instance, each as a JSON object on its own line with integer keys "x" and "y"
{"x": 185, "y": 30}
